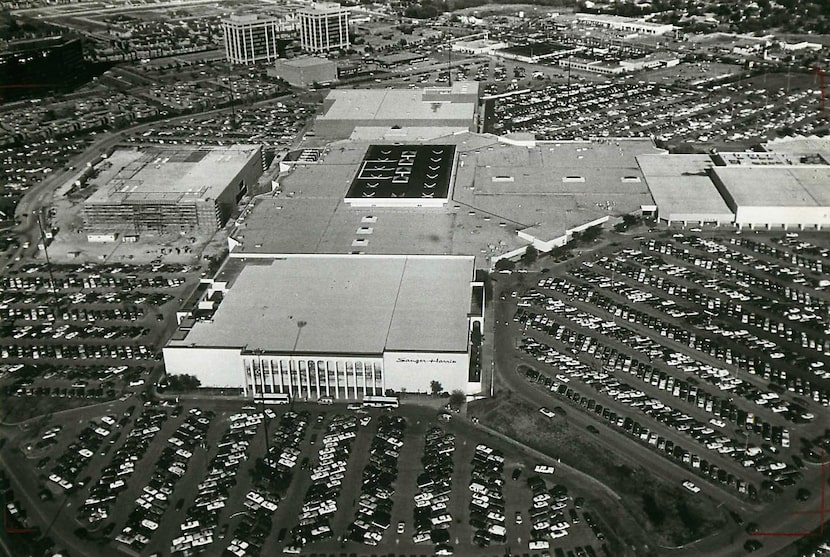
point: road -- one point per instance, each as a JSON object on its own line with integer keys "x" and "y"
{"x": 58, "y": 526}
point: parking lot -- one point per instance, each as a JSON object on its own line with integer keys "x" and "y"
{"x": 749, "y": 109}
{"x": 86, "y": 331}
{"x": 180, "y": 478}
{"x": 712, "y": 352}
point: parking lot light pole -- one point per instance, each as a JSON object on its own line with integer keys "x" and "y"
{"x": 48, "y": 268}
{"x": 260, "y": 373}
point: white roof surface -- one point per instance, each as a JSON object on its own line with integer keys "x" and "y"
{"x": 400, "y": 104}
{"x": 344, "y": 304}
{"x": 682, "y": 188}
{"x": 777, "y": 186}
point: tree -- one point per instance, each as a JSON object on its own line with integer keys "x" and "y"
{"x": 435, "y": 387}
{"x": 183, "y": 383}
{"x": 505, "y": 265}
{"x": 530, "y": 255}
{"x": 631, "y": 220}
{"x": 457, "y": 399}
{"x": 592, "y": 233}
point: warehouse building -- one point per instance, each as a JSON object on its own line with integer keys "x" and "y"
{"x": 786, "y": 186}
{"x": 305, "y": 71}
{"x": 776, "y": 196}
{"x": 683, "y": 190}
{"x": 171, "y": 188}
{"x": 337, "y": 326}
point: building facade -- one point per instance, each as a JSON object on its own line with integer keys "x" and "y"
{"x": 323, "y": 27}
{"x": 32, "y": 67}
{"x": 314, "y": 336}
{"x": 624, "y": 24}
{"x": 305, "y": 71}
{"x": 252, "y": 38}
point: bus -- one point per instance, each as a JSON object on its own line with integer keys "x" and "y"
{"x": 370, "y": 401}
{"x": 273, "y": 398}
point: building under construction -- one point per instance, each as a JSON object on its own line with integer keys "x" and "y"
{"x": 182, "y": 188}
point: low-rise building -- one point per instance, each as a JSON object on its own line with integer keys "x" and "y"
{"x": 304, "y": 71}
{"x": 337, "y": 326}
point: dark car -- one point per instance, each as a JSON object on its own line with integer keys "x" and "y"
{"x": 752, "y": 545}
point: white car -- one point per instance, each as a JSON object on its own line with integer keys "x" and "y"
{"x": 545, "y": 412}
{"x": 691, "y": 486}
{"x": 420, "y": 538}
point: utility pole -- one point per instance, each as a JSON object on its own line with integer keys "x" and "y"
{"x": 262, "y": 406}
{"x": 449, "y": 63}
{"x": 233, "y": 97}
{"x": 569, "y": 81}
{"x": 52, "y": 290}
{"x": 820, "y": 73}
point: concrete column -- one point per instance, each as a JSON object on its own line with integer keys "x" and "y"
{"x": 267, "y": 30}
{"x": 354, "y": 371}
{"x": 346, "y": 379}
{"x": 227, "y": 43}
{"x": 317, "y": 370}
{"x": 336, "y": 380}
{"x": 307, "y": 380}
{"x": 328, "y": 392}
{"x": 244, "y": 379}
{"x": 365, "y": 384}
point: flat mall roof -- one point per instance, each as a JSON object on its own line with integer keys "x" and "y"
{"x": 403, "y": 171}
{"x": 777, "y": 186}
{"x": 343, "y": 305}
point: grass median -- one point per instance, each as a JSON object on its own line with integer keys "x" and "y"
{"x": 667, "y": 515}
{"x": 16, "y": 409}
